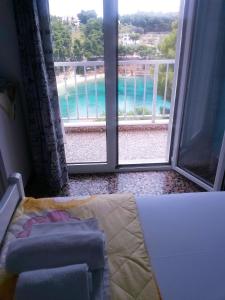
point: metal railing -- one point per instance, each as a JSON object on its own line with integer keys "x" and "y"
{"x": 144, "y": 87}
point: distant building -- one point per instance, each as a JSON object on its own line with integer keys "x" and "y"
{"x": 125, "y": 40}
{"x": 74, "y": 21}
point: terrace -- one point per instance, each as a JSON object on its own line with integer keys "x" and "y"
{"x": 144, "y": 105}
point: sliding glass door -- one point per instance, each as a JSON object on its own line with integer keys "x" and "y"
{"x": 146, "y": 63}
{"x": 200, "y": 148}
{"x": 115, "y": 76}
{"x": 78, "y": 46}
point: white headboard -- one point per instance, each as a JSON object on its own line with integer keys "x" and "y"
{"x": 14, "y": 193}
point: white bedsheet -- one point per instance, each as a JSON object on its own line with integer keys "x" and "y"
{"x": 185, "y": 237}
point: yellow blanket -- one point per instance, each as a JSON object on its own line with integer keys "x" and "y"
{"x": 131, "y": 276}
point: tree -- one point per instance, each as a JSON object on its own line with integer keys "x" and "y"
{"x": 123, "y": 50}
{"x": 162, "y": 82}
{"x": 93, "y": 44}
{"x": 61, "y": 35}
{"x": 86, "y": 41}
{"x": 84, "y": 16}
{"x": 150, "y": 22}
{"x": 77, "y": 51}
{"x": 145, "y": 51}
{"x": 168, "y": 45}
{"x": 74, "y": 44}
{"x": 134, "y": 36}
{"x": 168, "y": 50}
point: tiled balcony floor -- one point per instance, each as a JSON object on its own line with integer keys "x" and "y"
{"x": 135, "y": 146}
{"x": 138, "y": 183}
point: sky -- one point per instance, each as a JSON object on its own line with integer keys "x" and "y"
{"x": 72, "y": 7}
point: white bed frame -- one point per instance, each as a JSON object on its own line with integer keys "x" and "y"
{"x": 13, "y": 194}
{"x": 3, "y": 176}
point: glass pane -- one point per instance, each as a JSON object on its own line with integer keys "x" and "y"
{"x": 146, "y": 44}
{"x": 77, "y": 28}
{"x": 203, "y": 120}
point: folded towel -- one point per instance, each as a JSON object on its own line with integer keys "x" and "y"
{"x": 51, "y": 251}
{"x": 61, "y": 227}
{"x": 100, "y": 278}
{"x": 64, "y": 283}
{"x": 100, "y": 285}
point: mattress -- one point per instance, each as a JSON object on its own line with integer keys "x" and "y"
{"x": 185, "y": 237}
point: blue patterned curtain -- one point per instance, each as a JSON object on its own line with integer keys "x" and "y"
{"x": 33, "y": 26}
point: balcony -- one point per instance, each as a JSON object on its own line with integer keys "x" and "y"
{"x": 144, "y": 105}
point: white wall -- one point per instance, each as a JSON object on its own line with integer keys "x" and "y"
{"x": 13, "y": 139}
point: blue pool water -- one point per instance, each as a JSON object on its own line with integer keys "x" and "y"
{"x": 131, "y": 107}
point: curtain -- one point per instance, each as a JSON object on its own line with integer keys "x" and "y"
{"x": 37, "y": 66}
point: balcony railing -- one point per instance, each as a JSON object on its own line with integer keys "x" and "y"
{"x": 144, "y": 89}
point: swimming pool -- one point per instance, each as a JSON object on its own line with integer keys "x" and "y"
{"x": 133, "y": 105}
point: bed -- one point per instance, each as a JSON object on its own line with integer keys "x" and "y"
{"x": 183, "y": 236}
